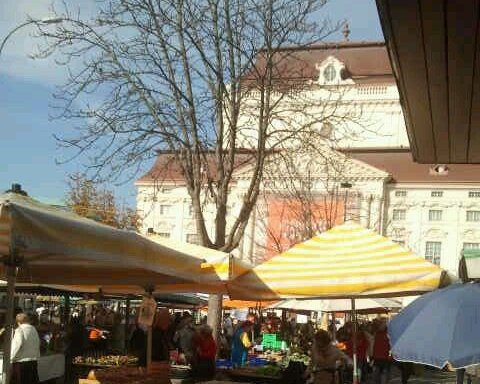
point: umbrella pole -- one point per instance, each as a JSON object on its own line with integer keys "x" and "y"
{"x": 9, "y": 321}
{"x": 355, "y": 328}
{"x": 334, "y": 328}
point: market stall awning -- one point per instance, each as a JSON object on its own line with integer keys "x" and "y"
{"x": 242, "y": 304}
{"x": 348, "y": 261}
{"x": 371, "y": 305}
{"x": 214, "y": 269}
{"x": 215, "y": 264}
{"x": 56, "y": 247}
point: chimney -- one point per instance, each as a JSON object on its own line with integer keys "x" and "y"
{"x": 346, "y": 32}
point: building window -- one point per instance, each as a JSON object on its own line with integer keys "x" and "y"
{"x": 471, "y": 245}
{"x": 399, "y": 214}
{"x": 473, "y": 215}
{"x": 433, "y": 251}
{"x": 437, "y": 194}
{"x": 164, "y": 209}
{"x": 329, "y": 73}
{"x": 474, "y": 194}
{"x": 190, "y": 210}
{"x": 192, "y": 238}
{"x": 435, "y": 215}
{"x": 400, "y": 193}
{"x": 165, "y": 235}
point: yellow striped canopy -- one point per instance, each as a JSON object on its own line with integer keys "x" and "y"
{"x": 57, "y": 247}
{"x": 214, "y": 269}
{"x": 348, "y": 261}
{"x": 224, "y": 265}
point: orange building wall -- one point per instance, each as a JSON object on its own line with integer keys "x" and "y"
{"x": 285, "y": 225}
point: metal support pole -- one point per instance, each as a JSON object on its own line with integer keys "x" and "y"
{"x": 150, "y": 335}
{"x": 334, "y": 329}
{"x": 9, "y": 320}
{"x": 66, "y": 311}
{"x": 355, "y": 329}
{"x": 127, "y": 324}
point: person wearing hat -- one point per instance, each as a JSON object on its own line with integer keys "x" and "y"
{"x": 241, "y": 344}
{"x": 25, "y": 352}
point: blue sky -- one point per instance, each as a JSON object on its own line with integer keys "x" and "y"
{"x": 29, "y": 152}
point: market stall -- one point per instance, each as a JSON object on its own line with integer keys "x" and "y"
{"x": 348, "y": 261}
{"x": 45, "y": 245}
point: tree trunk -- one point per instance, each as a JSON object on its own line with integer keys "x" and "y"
{"x": 214, "y": 317}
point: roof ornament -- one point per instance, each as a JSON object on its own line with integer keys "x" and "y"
{"x": 346, "y": 32}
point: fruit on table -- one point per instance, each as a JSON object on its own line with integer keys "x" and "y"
{"x": 91, "y": 375}
{"x": 116, "y": 360}
{"x": 296, "y": 357}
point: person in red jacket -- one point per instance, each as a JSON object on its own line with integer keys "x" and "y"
{"x": 203, "y": 365}
{"x": 382, "y": 360}
{"x": 362, "y": 348}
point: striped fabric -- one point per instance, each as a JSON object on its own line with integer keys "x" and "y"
{"x": 346, "y": 261}
{"x": 58, "y": 247}
{"x": 223, "y": 265}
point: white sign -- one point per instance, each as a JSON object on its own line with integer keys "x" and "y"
{"x": 302, "y": 319}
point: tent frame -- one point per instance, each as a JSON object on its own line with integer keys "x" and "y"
{"x": 12, "y": 263}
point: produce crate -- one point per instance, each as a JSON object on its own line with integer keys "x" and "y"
{"x": 223, "y": 364}
{"x": 271, "y": 341}
{"x": 269, "y": 337}
{"x": 257, "y": 362}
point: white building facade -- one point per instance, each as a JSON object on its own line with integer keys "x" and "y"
{"x": 434, "y": 214}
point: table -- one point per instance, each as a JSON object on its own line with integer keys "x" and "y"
{"x": 127, "y": 375}
{"x": 249, "y": 375}
{"x": 49, "y": 366}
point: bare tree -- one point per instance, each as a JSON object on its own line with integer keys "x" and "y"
{"x": 302, "y": 197}
{"x": 180, "y": 76}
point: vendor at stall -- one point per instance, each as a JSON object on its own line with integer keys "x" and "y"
{"x": 25, "y": 352}
{"x": 241, "y": 344}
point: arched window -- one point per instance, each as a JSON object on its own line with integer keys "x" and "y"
{"x": 329, "y": 73}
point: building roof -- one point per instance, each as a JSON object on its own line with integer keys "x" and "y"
{"x": 400, "y": 165}
{"x": 167, "y": 169}
{"x": 361, "y": 59}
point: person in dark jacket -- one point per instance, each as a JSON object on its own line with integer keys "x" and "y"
{"x": 138, "y": 345}
{"x": 382, "y": 360}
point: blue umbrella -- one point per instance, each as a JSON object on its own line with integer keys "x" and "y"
{"x": 440, "y": 327}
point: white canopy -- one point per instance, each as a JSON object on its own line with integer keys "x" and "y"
{"x": 338, "y": 305}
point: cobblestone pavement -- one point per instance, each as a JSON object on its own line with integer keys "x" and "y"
{"x": 426, "y": 376}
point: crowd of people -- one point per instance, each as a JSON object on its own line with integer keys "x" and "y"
{"x": 194, "y": 345}
{"x": 331, "y": 351}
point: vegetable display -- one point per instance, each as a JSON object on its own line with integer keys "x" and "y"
{"x": 269, "y": 370}
{"x": 108, "y": 360}
{"x": 297, "y": 358}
